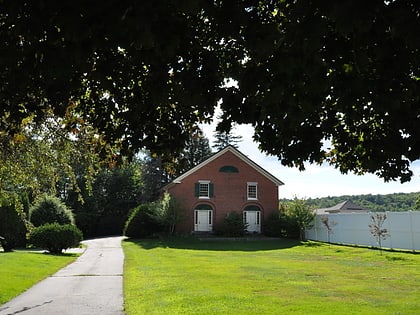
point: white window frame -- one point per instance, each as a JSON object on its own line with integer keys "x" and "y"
{"x": 203, "y": 183}
{"x": 252, "y": 196}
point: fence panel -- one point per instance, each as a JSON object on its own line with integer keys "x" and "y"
{"x": 353, "y": 228}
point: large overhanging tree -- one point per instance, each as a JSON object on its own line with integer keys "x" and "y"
{"x": 144, "y": 73}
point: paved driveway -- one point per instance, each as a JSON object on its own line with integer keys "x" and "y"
{"x": 91, "y": 285}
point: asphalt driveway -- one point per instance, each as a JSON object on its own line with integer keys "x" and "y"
{"x": 90, "y": 285}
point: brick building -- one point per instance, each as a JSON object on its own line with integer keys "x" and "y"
{"x": 226, "y": 182}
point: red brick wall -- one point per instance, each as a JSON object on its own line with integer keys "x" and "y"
{"x": 230, "y": 191}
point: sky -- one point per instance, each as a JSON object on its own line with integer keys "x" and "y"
{"x": 316, "y": 181}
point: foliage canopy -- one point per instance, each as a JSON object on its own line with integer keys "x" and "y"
{"x": 144, "y": 74}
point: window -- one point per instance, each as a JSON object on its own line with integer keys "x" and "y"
{"x": 228, "y": 169}
{"x": 252, "y": 191}
{"x": 204, "y": 189}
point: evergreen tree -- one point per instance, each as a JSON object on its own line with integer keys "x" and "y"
{"x": 225, "y": 138}
{"x": 196, "y": 151}
{"x": 157, "y": 172}
{"x": 153, "y": 177}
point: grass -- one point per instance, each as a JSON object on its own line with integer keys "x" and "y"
{"x": 188, "y": 276}
{"x": 19, "y": 270}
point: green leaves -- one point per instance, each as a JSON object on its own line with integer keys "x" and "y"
{"x": 56, "y": 237}
{"x": 143, "y": 75}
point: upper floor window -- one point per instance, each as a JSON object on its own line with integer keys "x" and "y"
{"x": 252, "y": 191}
{"x": 204, "y": 189}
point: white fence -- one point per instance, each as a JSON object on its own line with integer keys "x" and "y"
{"x": 353, "y": 228}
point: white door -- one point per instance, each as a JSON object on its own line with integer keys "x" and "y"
{"x": 203, "y": 221}
{"x": 253, "y": 220}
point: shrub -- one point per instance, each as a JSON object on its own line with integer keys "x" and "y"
{"x": 273, "y": 226}
{"x": 169, "y": 212}
{"x": 143, "y": 222}
{"x": 299, "y": 212}
{"x": 233, "y": 225}
{"x": 87, "y": 222}
{"x": 50, "y": 209}
{"x": 55, "y": 237}
{"x": 12, "y": 223}
{"x": 289, "y": 226}
{"x": 281, "y": 225}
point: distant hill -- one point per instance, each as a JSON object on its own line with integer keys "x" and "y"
{"x": 389, "y": 202}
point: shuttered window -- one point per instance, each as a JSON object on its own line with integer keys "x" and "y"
{"x": 204, "y": 189}
{"x": 252, "y": 191}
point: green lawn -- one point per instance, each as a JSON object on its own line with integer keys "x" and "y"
{"x": 188, "y": 276}
{"x": 19, "y": 270}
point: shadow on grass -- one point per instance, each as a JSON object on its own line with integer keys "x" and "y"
{"x": 374, "y": 248}
{"x": 40, "y": 251}
{"x": 216, "y": 244}
{"x": 311, "y": 244}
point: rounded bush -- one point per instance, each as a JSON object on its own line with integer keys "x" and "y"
{"x": 55, "y": 237}
{"x": 142, "y": 222}
{"x": 281, "y": 225}
{"x": 50, "y": 209}
{"x": 12, "y": 223}
{"x": 274, "y": 226}
{"x": 233, "y": 225}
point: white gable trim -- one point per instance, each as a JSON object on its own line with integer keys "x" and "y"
{"x": 240, "y": 155}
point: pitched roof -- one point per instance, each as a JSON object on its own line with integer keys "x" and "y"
{"x": 238, "y": 154}
{"x": 345, "y": 205}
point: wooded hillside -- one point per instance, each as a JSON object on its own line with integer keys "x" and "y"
{"x": 389, "y": 202}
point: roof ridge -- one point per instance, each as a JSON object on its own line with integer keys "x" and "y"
{"x": 214, "y": 156}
